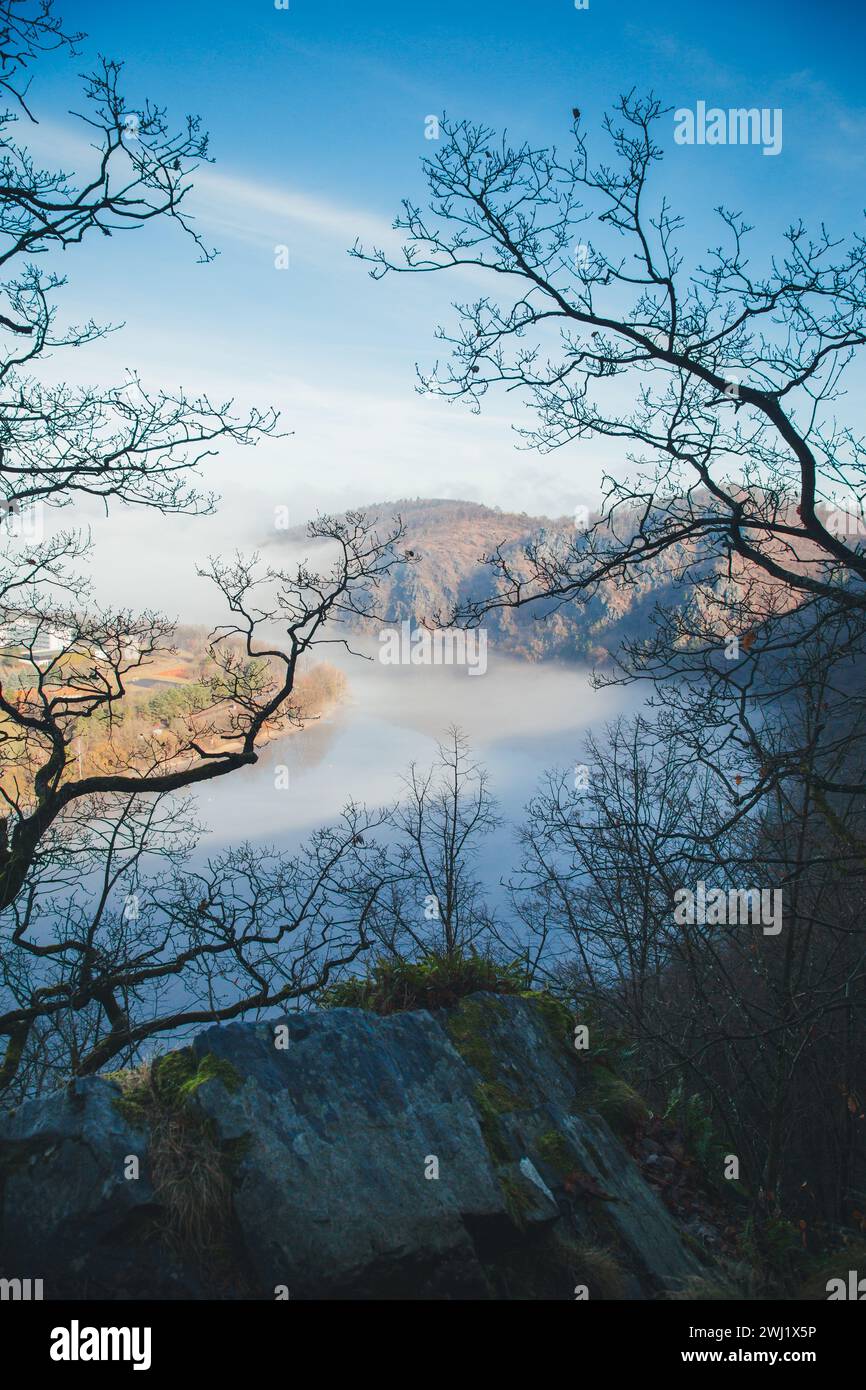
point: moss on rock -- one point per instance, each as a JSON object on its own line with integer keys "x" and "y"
{"x": 169, "y": 1082}
{"x": 492, "y": 1133}
{"x": 553, "y": 1148}
{"x": 616, "y": 1101}
{"x": 556, "y": 1016}
{"x": 192, "y": 1172}
{"x": 469, "y": 1026}
{"x": 517, "y": 1200}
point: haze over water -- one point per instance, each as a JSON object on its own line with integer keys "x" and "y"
{"x": 521, "y": 718}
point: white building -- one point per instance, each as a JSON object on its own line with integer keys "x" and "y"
{"x": 26, "y": 638}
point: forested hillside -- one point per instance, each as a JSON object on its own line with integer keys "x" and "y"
{"x": 448, "y": 541}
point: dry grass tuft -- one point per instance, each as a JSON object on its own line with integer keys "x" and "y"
{"x": 600, "y": 1270}
{"x": 187, "y": 1165}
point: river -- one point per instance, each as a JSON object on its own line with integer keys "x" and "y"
{"x": 521, "y": 718}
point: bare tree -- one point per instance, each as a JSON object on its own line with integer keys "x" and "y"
{"x": 722, "y": 381}
{"x": 436, "y": 902}
{"x": 765, "y": 1027}
{"x": 28, "y": 28}
{"x": 125, "y": 444}
{"x": 82, "y": 983}
{"x": 86, "y": 680}
{"x": 116, "y": 941}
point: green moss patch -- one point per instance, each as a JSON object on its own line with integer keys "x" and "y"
{"x": 615, "y": 1100}
{"x": 492, "y": 1132}
{"x": 191, "y": 1171}
{"x": 518, "y": 1202}
{"x": 471, "y": 1026}
{"x": 556, "y": 1016}
{"x": 553, "y": 1149}
{"x": 169, "y": 1082}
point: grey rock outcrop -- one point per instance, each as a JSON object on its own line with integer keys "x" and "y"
{"x": 68, "y": 1215}
{"x": 420, "y": 1155}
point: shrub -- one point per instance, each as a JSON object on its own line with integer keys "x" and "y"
{"x": 433, "y": 982}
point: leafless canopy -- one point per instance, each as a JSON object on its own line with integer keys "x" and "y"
{"x": 721, "y": 378}
{"x": 81, "y": 981}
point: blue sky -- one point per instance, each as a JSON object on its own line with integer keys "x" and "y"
{"x": 317, "y": 121}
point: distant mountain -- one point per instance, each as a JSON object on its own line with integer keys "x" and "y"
{"x": 449, "y": 539}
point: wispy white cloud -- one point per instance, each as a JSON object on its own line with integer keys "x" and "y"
{"x": 237, "y": 200}
{"x": 239, "y": 205}
{"x": 837, "y": 138}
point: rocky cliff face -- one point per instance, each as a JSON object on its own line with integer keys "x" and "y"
{"x": 338, "y": 1155}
